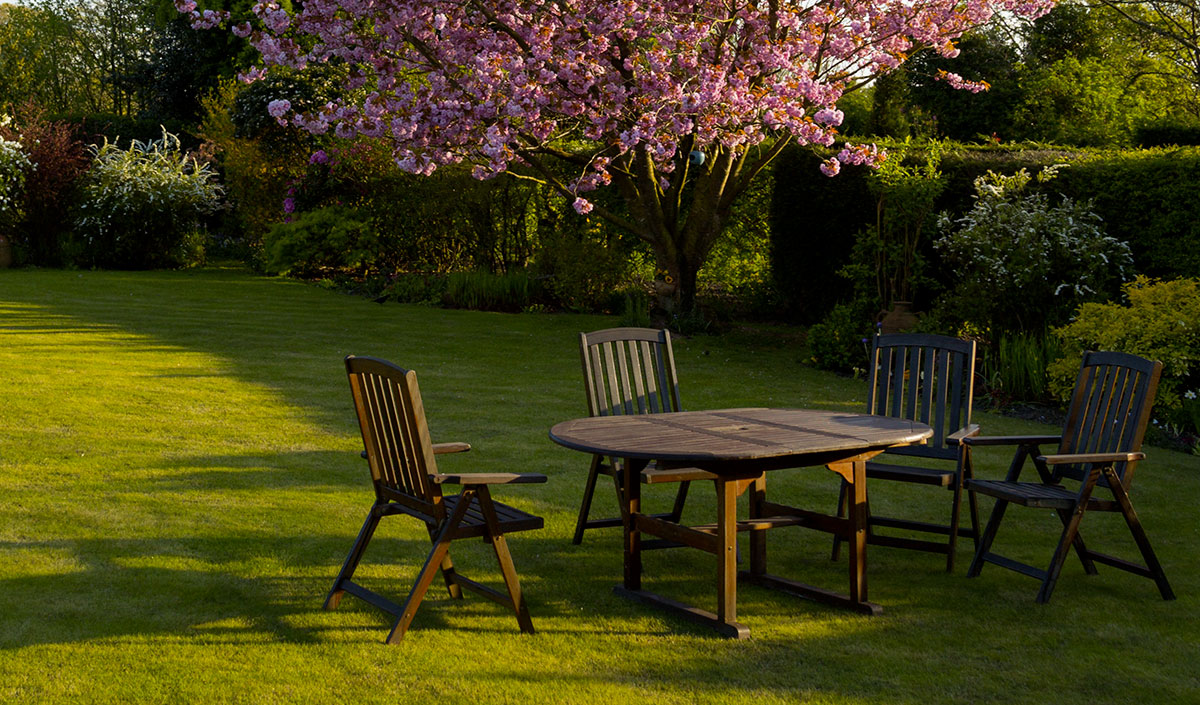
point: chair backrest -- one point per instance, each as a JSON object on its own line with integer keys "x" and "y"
{"x": 926, "y": 378}
{"x": 629, "y": 371}
{"x": 1109, "y": 409}
{"x": 395, "y": 436}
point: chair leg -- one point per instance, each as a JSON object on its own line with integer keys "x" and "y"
{"x": 680, "y": 498}
{"x": 589, "y": 490}
{"x": 334, "y": 598}
{"x": 841, "y": 512}
{"x": 1139, "y": 535}
{"x": 1070, "y": 532}
{"x": 441, "y": 548}
{"x": 989, "y": 535}
{"x": 448, "y": 573}
{"x": 954, "y": 512}
{"x": 1089, "y": 567}
{"x": 504, "y": 558}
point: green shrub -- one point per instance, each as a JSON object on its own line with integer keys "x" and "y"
{"x": 1022, "y": 264}
{"x": 841, "y": 342}
{"x": 14, "y": 166}
{"x": 510, "y": 292}
{"x": 141, "y": 207}
{"x": 580, "y": 274}
{"x": 50, "y": 188}
{"x": 334, "y": 238}
{"x": 416, "y": 288}
{"x": 1160, "y": 322}
{"x": 1167, "y": 132}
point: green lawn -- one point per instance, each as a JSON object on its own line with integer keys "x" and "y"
{"x": 179, "y": 482}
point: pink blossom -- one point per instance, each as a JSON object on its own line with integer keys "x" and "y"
{"x": 582, "y": 206}
{"x": 831, "y": 166}
{"x": 185, "y": 6}
{"x": 956, "y": 81}
{"x": 279, "y": 108}
{"x": 289, "y": 205}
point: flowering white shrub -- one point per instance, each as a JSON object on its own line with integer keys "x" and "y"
{"x": 1020, "y": 263}
{"x": 14, "y": 164}
{"x": 141, "y": 207}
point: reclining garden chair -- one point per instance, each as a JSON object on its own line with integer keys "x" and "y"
{"x": 630, "y": 371}
{"x": 1100, "y": 447}
{"x": 406, "y": 480}
{"x": 925, "y": 378}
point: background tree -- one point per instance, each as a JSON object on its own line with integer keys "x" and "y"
{"x": 679, "y": 105}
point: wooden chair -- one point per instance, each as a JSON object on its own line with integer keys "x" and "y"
{"x": 1100, "y": 447}
{"x": 406, "y": 480}
{"x": 630, "y": 371}
{"x": 926, "y": 378}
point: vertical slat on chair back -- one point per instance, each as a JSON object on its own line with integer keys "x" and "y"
{"x": 925, "y": 378}
{"x": 392, "y": 420}
{"x": 1110, "y": 409}
{"x": 629, "y": 371}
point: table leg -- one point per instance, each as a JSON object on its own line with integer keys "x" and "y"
{"x": 758, "y": 538}
{"x": 632, "y": 478}
{"x": 856, "y": 494}
{"x": 727, "y": 551}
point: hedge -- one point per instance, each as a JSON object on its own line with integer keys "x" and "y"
{"x": 1145, "y": 197}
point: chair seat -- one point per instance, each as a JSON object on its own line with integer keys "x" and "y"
{"x": 906, "y": 473}
{"x": 510, "y": 518}
{"x": 1027, "y": 494}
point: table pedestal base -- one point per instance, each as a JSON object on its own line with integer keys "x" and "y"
{"x": 809, "y": 592}
{"x": 731, "y": 630}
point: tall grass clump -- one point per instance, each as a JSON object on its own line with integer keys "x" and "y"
{"x": 142, "y": 207}
{"x": 1016, "y": 371}
{"x": 484, "y": 291}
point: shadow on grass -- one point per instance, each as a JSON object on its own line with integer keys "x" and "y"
{"x": 250, "y": 588}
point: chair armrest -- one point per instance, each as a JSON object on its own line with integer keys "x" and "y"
{"x": 1093, "y": 458}
{"x": 968, "y": 431}
{"x": 489, "y": 478}
{"x": 1010, "y": 440}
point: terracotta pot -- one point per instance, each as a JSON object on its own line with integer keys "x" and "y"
{"x": 899, "y": 319}
{"x": 5, "y": 253}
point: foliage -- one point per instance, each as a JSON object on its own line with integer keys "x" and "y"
{"x": 75, "y": 55}
{"x": 332, "y": 238}
{"x": 1166, "y": 132}
{"x": 985, "y": 55}
{"x": 50, "y": 188}
{"x": 510, "y": 292}
{"x": 885, "y": 253}
{"x": 141, "y": 207}
{"x": 1016, "y": 368}
{"x": 1147, "y": 198}
{"x": 581, "y": 274}
{"x": 1013, "y": 246}
{"x": 841, "y": 342}
{"x": 1160, "y": 321}
{"x": 14, "y": 168}
{"x": 680, "y": 105}
{"x": 255, "y": 178}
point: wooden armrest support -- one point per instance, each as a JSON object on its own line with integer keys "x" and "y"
{"x": 968, "y": 431}
{"x": 1010, "y": 440}
{"x": 440, "y": 448}
{"x": 489, "y": 478}
{"x": 1094, "y": 458}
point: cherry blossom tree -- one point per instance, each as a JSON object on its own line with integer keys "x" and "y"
{"x": 677, "y": 104}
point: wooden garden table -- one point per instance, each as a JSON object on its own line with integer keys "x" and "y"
{"x": 739, "y": 446}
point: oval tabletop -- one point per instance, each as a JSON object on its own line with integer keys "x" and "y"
{"x": 734, "y": 434}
